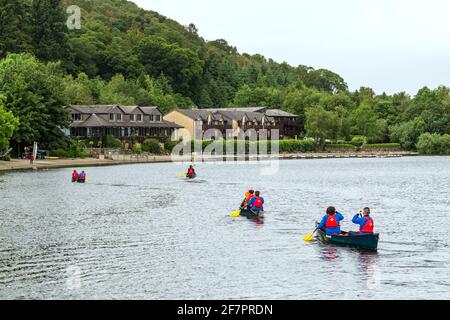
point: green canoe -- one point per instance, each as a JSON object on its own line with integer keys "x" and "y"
{"x": 250, "y": 214}
{"x": 368, "y": 242}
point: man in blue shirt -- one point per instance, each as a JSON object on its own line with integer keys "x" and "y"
{"x": 366, "y": 225}
{"x": 256, "y": 203}
{"x": 331, "y": 222}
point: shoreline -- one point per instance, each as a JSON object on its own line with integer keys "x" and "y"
{"x": 24, "y": 165}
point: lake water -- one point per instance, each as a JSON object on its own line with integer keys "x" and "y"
{"x": 142, "y": 232}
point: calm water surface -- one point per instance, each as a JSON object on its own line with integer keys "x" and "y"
{"x": 142, "y": 232}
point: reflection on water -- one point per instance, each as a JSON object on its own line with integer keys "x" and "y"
{"x": 141, "y": 232}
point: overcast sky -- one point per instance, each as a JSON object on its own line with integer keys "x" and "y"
{"x": 389, "y": 45}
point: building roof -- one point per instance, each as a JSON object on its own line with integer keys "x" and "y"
{"x": 150, "y": 110}
{"x": 98, "y": 109}
{"x": 279, "y": 113}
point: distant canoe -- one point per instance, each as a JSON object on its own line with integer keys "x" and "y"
{"x": 368, "y": 242}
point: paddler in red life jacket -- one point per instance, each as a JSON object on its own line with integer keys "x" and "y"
{"x": 365, "y": 222}
{"x": 82, "y": 177}
{"x": 256, "y": 203}
{"x": 74, "y": 176}
{"x": 248, "y": 196}
{"x": 191, "y": 172}
{"x": 331, "y": 222}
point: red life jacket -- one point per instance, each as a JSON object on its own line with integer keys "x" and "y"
{"x": 83, "y": 176}
{"x": 332, "y": 222}
{"x": 258, "y": 202}
{"x": 368, "y": 227}
{"x": 75, "y": 175}
{"x": 191, "y": 171}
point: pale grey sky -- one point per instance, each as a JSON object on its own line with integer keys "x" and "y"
{"x": 389, "y": 45}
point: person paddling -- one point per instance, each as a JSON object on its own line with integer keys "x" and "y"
{"x": 365, "y": 222}
{"x": 331, "y": 222}
{"x": 248, "y": 196}
{"x": 74, "y": 176}
{"x": 256, "y": 203}
{"x": 191, "y": 174}
{"x": 82, "y": 177}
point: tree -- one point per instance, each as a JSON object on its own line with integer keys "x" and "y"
{"x": 8, "y": 123}
{"x": 408, "y": 133}
{"x": 14, "y": 27}
{"x": 49, "y": 30}
{"x": 321, "y": 124}
{"x": 33, "y": 92}
{"x": 364, "y": 120}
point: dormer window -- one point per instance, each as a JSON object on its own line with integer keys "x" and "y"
{"x": 139, "y": 117}
{"x": 152, "y": 118}
{"x": 111, "y": 117}
{"x": 132, "y": 117}
{"x": 158, "y": 118}
{"x": 118, "y": 117}
{"x": 76, "y": 116}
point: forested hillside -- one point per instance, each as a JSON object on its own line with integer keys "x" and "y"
{"x": 126, "y": 55}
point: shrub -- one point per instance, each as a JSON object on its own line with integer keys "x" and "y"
{"x": 111, "y": 142}
{"x": 436, "y": 144}
{"x": 383, "y": 146}
{"x": 358, "y": 141}
{"x": 152, "y": 146}
{"x": 137, "y": 148}
{"x": 169, "y": 144}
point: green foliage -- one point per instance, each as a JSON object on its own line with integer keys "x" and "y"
{"x": 321, "y": 124}
{"x": 137, "y": 148}
{"x": 359, "y": 141}
{"x": 408, "y": 133}
{"x": 49, "y": 32}
{"x": 76, "y": 149}
{"x": 14, "y": 27}
{"x": 111, "y": 142}
{"x": 8, "y": 124}
{"x": 383, "y": 146}
{"x": 33, "y": 92}
{"x": 434, "y": 144}
{"x": 152, "y": 146}
{"x": 294, "y": 146}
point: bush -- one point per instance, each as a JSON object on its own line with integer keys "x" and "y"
{"x": 169, "y": 144}
{"x": 137, "y": 148}
{"x": 152, "y": 146}
{"x": 383, "y": 146}
{"x": 434, "y": 144}
{"x": 76, "y": 149}
{"x": 111, "y": 142}
{"x": 358, "y": 141}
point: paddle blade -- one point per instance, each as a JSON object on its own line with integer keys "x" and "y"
{"x": 235, "y": 214}
{"x": 182, "y": 174}
{"x": 309, "y": 237}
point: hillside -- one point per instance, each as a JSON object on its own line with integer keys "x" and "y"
{"x": 127, "y": 55}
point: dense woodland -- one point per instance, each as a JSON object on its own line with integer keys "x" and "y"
{"x": 126, "y": 55}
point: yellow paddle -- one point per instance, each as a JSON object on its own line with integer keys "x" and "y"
{"x": 182, "y": 174}
{"x": 236, "y": 213}
{"x": 310, "y": 236}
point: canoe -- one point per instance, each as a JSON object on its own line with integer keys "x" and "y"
{"x": 250, "y": 214}
{"x": 368, "y": 242}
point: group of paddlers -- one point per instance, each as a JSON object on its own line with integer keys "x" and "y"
{"x": 78, "y": 177}
{"x": 253, "y": 201}
{"x": 331, "y": 222}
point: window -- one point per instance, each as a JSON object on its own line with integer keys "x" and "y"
{"x": 111, "y": 117}
{"x": 158, "y": 118}
{"x": 139, "y": 117}
{"x": 76, "y": 116}
{"x": 132, "y": 117}
{"x": 118, "y": 116}
{"x": 152, "y": 118}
